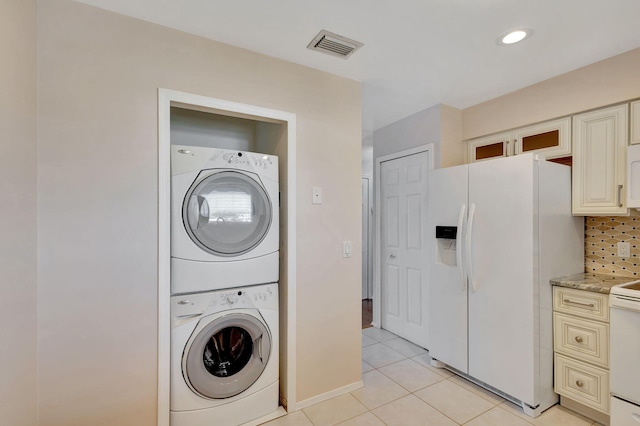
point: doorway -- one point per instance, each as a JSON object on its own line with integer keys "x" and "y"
{"x": 367, "y": 282}
{"x": 401, "y": 298}
{"x": 367, "y": 290}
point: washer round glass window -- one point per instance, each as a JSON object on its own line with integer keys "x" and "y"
{"x": 227, "y": 213}
{"x": 227, "y": 356}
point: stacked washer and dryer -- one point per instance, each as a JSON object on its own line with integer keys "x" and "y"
{"x": 224, "y": 286}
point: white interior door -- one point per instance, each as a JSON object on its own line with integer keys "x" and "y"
{"x": 365, "y": 239}
{"x": 403, "y": 275}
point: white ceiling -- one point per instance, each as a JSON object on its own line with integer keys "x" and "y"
{"x": 417, "y": 53}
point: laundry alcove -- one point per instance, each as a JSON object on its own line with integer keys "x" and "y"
{"x": 199, "y": 121}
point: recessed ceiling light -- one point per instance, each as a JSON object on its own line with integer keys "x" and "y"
{"x": 514, "y": 36}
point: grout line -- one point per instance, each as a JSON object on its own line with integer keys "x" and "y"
{"x": 413, "y": 393}
{"x": 436, "y": 408}
{"x": 374, "y": 415}
{"x": 502, "y": 405}
{"x": 426, "y": 402}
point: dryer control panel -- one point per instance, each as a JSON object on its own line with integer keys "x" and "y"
{"x": 186, "y": 159}
{"x": 262, "y": 164}
{"x": 232, "y": 157}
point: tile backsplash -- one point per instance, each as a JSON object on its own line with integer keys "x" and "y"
{"x": 601, "y": 238}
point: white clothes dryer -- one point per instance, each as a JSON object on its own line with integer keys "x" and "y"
{"x": 224, "y": 356}
{"x": 224, "y": 219}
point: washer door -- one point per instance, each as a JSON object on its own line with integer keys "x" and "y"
{"x": 227, "y": 356}
{"x": 227, "y": 213}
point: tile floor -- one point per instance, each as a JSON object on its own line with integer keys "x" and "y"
{"x": 402, "y": 388}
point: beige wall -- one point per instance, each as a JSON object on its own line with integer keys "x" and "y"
{"x": 440, "y": 125}
{"x": 451, "y": 145}
{"x": 99, "y": 75}
{"x": 18, "y": 190}
{"x": 418, "y": 129}
{"x": 606, "y": 82}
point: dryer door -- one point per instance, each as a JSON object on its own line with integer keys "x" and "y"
{"x": 227, "y": 213}
{"x": 227, "y": 356}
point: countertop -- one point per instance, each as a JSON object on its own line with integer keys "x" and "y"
{"x": 597, "y": 283}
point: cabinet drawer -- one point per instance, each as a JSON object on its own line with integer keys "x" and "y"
{"x": 582, "y": 383}
{"x": 581, "y": 338}
{"x": 582, "y": 303}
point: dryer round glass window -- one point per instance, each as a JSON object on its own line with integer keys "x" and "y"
{"x": 227, "y": 213}
{"x": 227, "y": 356}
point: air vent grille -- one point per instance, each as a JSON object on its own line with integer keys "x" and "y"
{"x": 333, "y": 44}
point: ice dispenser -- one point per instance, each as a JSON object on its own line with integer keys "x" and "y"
{"x": 446, "y": 247}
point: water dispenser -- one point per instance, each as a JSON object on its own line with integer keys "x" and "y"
{"x": 446, "y": 245}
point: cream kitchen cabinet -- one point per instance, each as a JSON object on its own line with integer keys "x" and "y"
{"x": 488, "y": 147}
{"x": 552, "y": 139}
{"x": 599, "y": 162}
{"x": 581, "y": 351}
{"x": 635, "y": 123}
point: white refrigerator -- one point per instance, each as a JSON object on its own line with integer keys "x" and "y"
{"x": 491, "y": 301}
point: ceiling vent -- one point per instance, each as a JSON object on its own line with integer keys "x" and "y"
{"x": 333, "y": 44}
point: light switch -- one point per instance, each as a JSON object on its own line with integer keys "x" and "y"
{"x": 346, "y": 249}
{"x": 317, "y": 195}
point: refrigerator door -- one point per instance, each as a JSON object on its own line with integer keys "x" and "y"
{"x": 502, "y": 264}
{"x": 448, "y": 282}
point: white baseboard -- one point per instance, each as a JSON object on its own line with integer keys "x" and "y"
{"x": 328, "y": 395}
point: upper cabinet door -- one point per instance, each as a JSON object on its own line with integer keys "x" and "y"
{"x": 635, "y": 123}
{"x": 599, "y": 156}
{"x": 552, "y": 139}
{"x": 489, "y": 147}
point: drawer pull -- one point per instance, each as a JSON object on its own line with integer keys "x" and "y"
{"x": 578, "y": 339}
{"x": 579, "y": 383}
{"x": 571, "y": 302}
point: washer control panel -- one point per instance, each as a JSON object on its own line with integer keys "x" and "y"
{"x": 230, "y": 298}
{"x": 192, "y": 305}
{"x": 242, "y": 298}
{"x": 188, "y": 306}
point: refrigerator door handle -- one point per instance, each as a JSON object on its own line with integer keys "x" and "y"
{"x": 459, "y": 246}
{"x": 472, "y": 211}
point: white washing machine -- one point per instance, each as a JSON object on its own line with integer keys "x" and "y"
{"x": 224, "y": 356}
{"x": 224, "y": 219}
